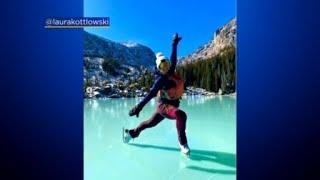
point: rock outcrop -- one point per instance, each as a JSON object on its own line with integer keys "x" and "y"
{"x": 223, "y": 37}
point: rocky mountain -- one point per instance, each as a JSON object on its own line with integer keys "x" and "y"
{"x": 223, "y": 37}
{"x": 113, "y": 70}
{"x": 132, "y": 54}
{"x": 212, "y": 66}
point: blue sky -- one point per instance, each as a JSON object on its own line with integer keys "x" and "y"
{"x": 152, "y": 23}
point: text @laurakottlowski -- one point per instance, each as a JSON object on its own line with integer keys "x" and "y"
{"x": 75, "y": 22}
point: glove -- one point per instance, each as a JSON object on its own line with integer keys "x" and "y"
{"x": 135, "y": 111}
{"x": 176, "y": 39}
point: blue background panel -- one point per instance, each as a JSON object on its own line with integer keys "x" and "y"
{"x": 41, "y": 134}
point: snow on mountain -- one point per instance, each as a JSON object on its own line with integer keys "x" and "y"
{"x": 131, "y": 53}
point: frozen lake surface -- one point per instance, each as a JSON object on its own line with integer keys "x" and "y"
{"x": 155, "y": 154}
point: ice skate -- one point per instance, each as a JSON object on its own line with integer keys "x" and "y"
{"x": 126, "y": 137}
{"x": 185, "y": 149}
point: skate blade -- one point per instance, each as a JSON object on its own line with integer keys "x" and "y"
{"x": 187, "y": 155}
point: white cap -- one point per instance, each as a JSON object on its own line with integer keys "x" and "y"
{"x": 160, "y": 57}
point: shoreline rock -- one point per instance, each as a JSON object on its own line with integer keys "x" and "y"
{"x": 114, "y": 93}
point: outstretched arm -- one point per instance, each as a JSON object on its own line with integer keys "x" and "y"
{"x": 153, "y": 92}
{"x": 173, "y": 57}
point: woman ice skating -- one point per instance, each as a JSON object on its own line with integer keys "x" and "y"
{"x": 169, "y": 87}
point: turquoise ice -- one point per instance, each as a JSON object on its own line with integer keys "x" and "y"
{"x": 155, "y": 154}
